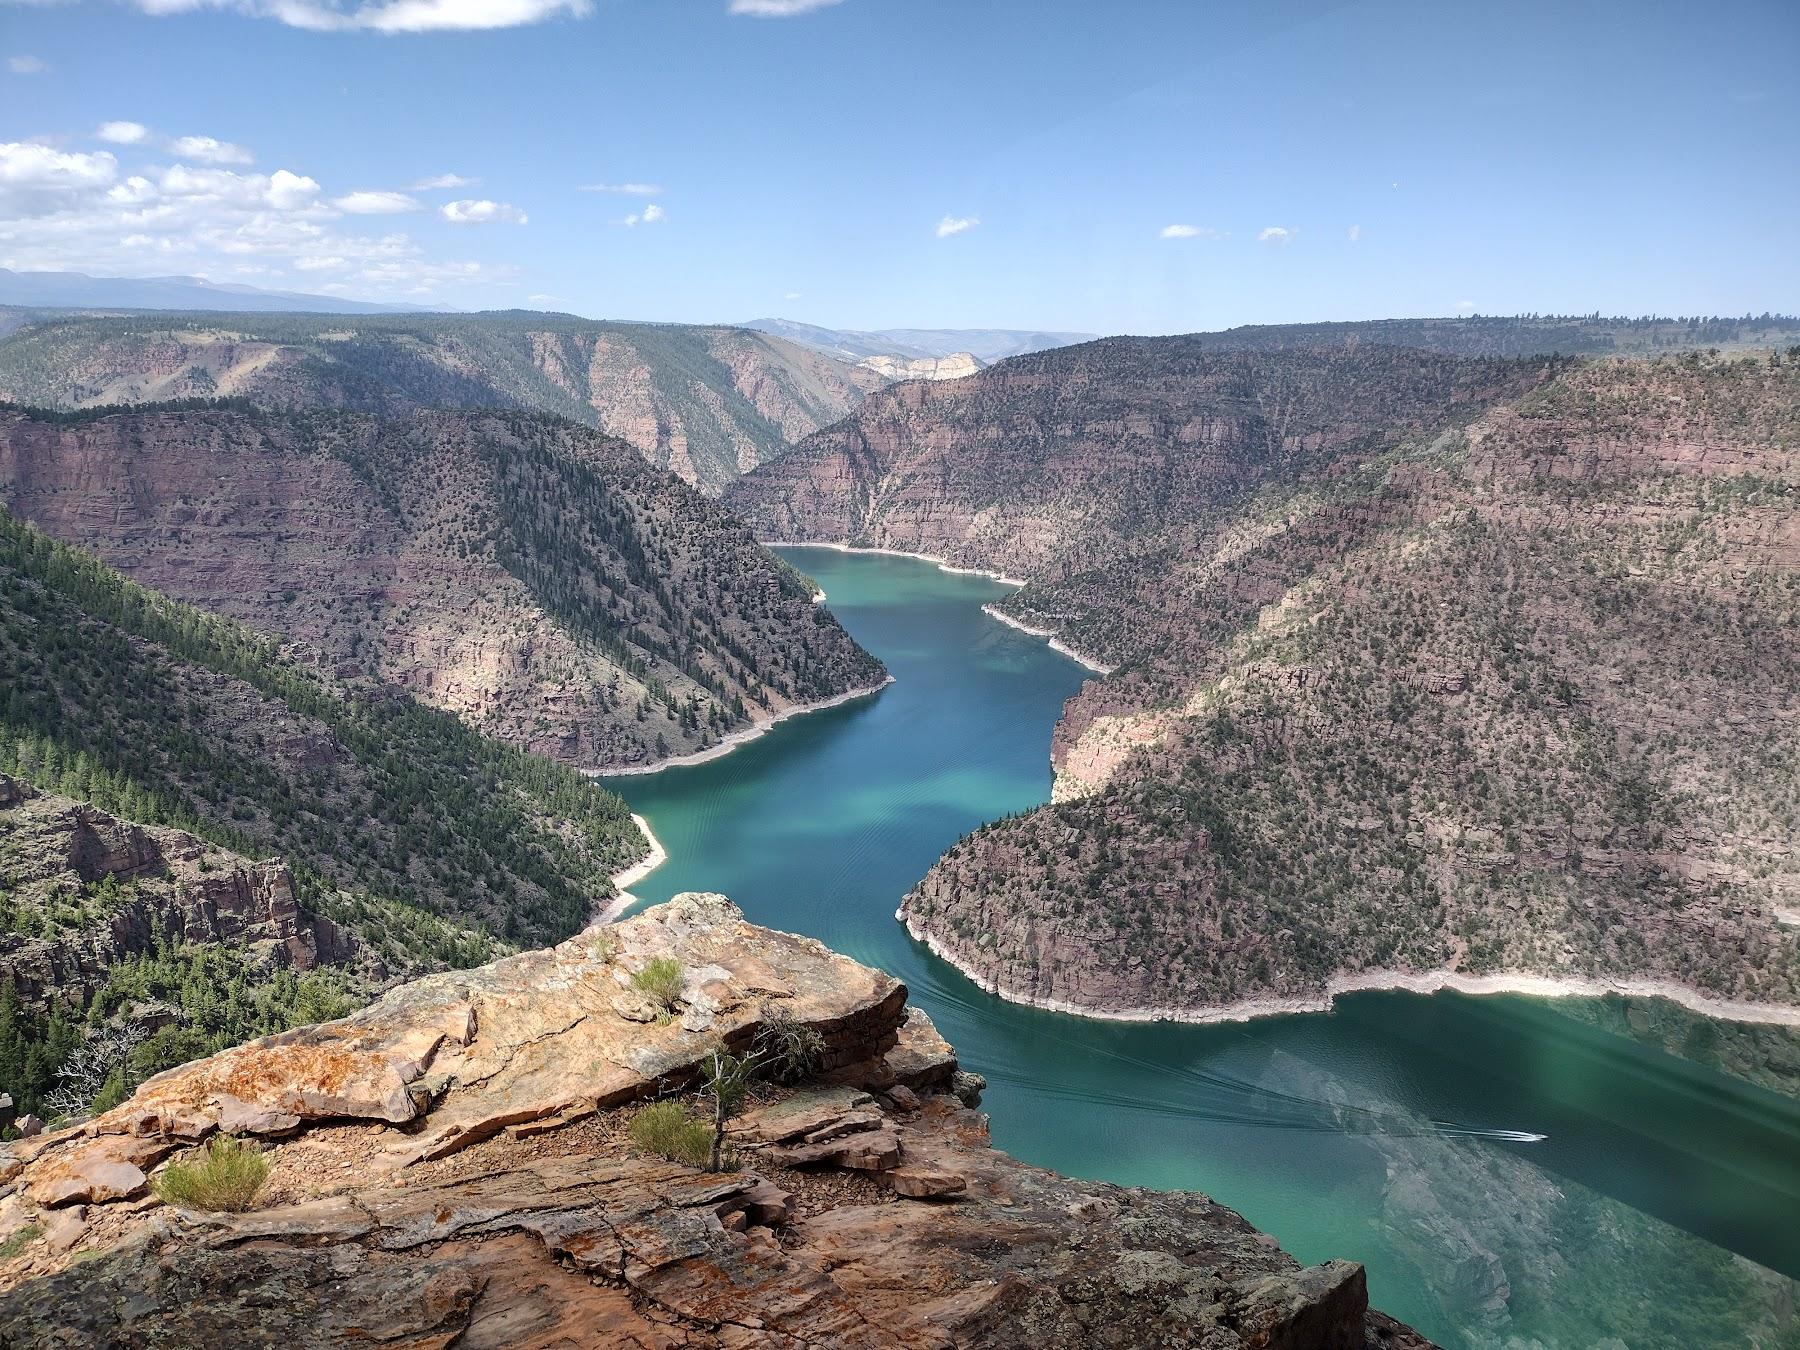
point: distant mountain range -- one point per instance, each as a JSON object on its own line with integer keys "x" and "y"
{"x": 78, "y": 290}
{"x": 985, "y": 344}
{"x": 707, "y": 403}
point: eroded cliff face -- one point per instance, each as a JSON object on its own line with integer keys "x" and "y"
{"x": 897, "y": 368}
{"x": 66, "y": 927}
{"x": 450, "y": 1167}
{"x": 705, "y": 402}
{"x": 1508, "y": 700}
{"x": 1420, "y": 663}
{"x": 537, "y": 579}
{"x": 1046, "y": 465}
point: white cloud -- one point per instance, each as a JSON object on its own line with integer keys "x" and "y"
{"x": 37, "y": 180}
{"x": 778, "y": 9}
{"x": 625, "y": 189}
{"x": 950, "y": 225}
{"x": 470, "y": 211}
{"x": 367, "y": 203}
{"x": 442, "y": 181}
{"x": 290, "y": 191}
{"x": 650, "y": 215}
{"x": 791, "y": 295}
{"x": 26, "y": 164}
{"x": 1355, "y": 233}
{"x": 209, "y": 151}
{"x": 25, "y": 65}
{"x": 1189, "y": 232}
{"x": 67, "y": 210}
{"x": 393, "y": 16}
{"x": 1276, "y": 234}
{"x": 1465, "y": 306}
{"x": 123, "y": 133}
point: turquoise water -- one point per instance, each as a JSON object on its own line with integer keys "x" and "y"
{"x": 1657, "y": 1210}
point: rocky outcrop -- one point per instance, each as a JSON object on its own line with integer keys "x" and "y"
{"x": 450, "y": 1166}
{"x": 68, "y": 931}
{"x": 539, "y": 580}
{"x": 898, "y": 368}
{"x": 705, "y": 402}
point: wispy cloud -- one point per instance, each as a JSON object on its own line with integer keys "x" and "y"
{"x": 441, "y": 182}
{"x": 1276, "y": 234}
{"x": 481, "y": 212}
{"x": 85, "y": 211}
{"x": 950, "y": 225}
{"x": 368, "y": 203}
{"x": 1355, "y": 233}
{"x": 123, "y": 133}
{"x": 650, "y": 215}
{"x": 625, "y": 189}
{"x": 26, "y": 65}
{"x": 1190, "y": 232}
{"x": 778, "y": 9}
{"x": 384, "y": 16}
{"x": 209, "y": 151}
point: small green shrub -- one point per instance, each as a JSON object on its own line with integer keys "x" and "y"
{"x": 661, "y": 982}
{"x": 227, "y": 1177}
{"x": 788, "y": 1051}
{"x": 19, "y": 1241}
{"x": 666, "y": 1129}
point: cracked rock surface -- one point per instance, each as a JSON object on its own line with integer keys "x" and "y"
{"x": 451, "y": 1167}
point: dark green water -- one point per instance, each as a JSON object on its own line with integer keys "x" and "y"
{"x": 1657, "y": 1210}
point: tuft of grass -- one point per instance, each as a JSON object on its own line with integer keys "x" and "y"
{"x": 661, "y": 982}
{"x": 227, "y": 1177}
{"x": 19, "y": 1241}
{"x": 666, "y": 1129}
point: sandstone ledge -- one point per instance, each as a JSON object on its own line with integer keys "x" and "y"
{"x": 450, "y": 1167}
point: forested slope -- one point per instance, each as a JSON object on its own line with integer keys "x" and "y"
{"x": 538, "y": 579}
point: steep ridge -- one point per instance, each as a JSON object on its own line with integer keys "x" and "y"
{"x": 156, "y": 712}
{"x": 706, "y": 403}
{"x": 536, "y": 578}
{"x": 1499, "y": 686}
{"x": 1116, "y": 446}
{"x": 450, "y": 1167}
{"x": 191, "y": 946}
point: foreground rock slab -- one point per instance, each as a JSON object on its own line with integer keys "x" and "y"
{"x": 451, "y": 1167}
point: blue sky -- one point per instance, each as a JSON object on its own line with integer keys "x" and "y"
{"x": 869, "y": 163}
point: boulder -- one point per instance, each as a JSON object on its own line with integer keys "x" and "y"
{"x": 95, "y": 1171}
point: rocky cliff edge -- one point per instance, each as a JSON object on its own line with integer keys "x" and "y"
{"x": 451, "y": 1166}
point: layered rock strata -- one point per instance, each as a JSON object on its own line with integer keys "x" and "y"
{"x": 449, "y": 1167}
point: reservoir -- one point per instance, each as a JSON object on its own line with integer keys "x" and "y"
{"x": 1512, "y": 1171}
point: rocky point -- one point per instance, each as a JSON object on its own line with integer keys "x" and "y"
{"x": 451, "y": 1166}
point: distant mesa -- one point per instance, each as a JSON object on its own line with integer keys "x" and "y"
{"x": 985, "y": 345}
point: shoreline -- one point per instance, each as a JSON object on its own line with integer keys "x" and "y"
{"x": 1402, "y": 981}
{"x": 622, "y": 881}
{"x": 942, "y": 564}
{"x": 760, "y": 727}
{"x": 1056, "y": 644}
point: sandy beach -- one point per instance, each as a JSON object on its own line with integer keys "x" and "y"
{"x": 1417, "y": 982}
{"x": 735, "y": 739}
{"x": 942, "y": 564}
{"x": 1056, "y": 644}
{"x": 623, "y": 881}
